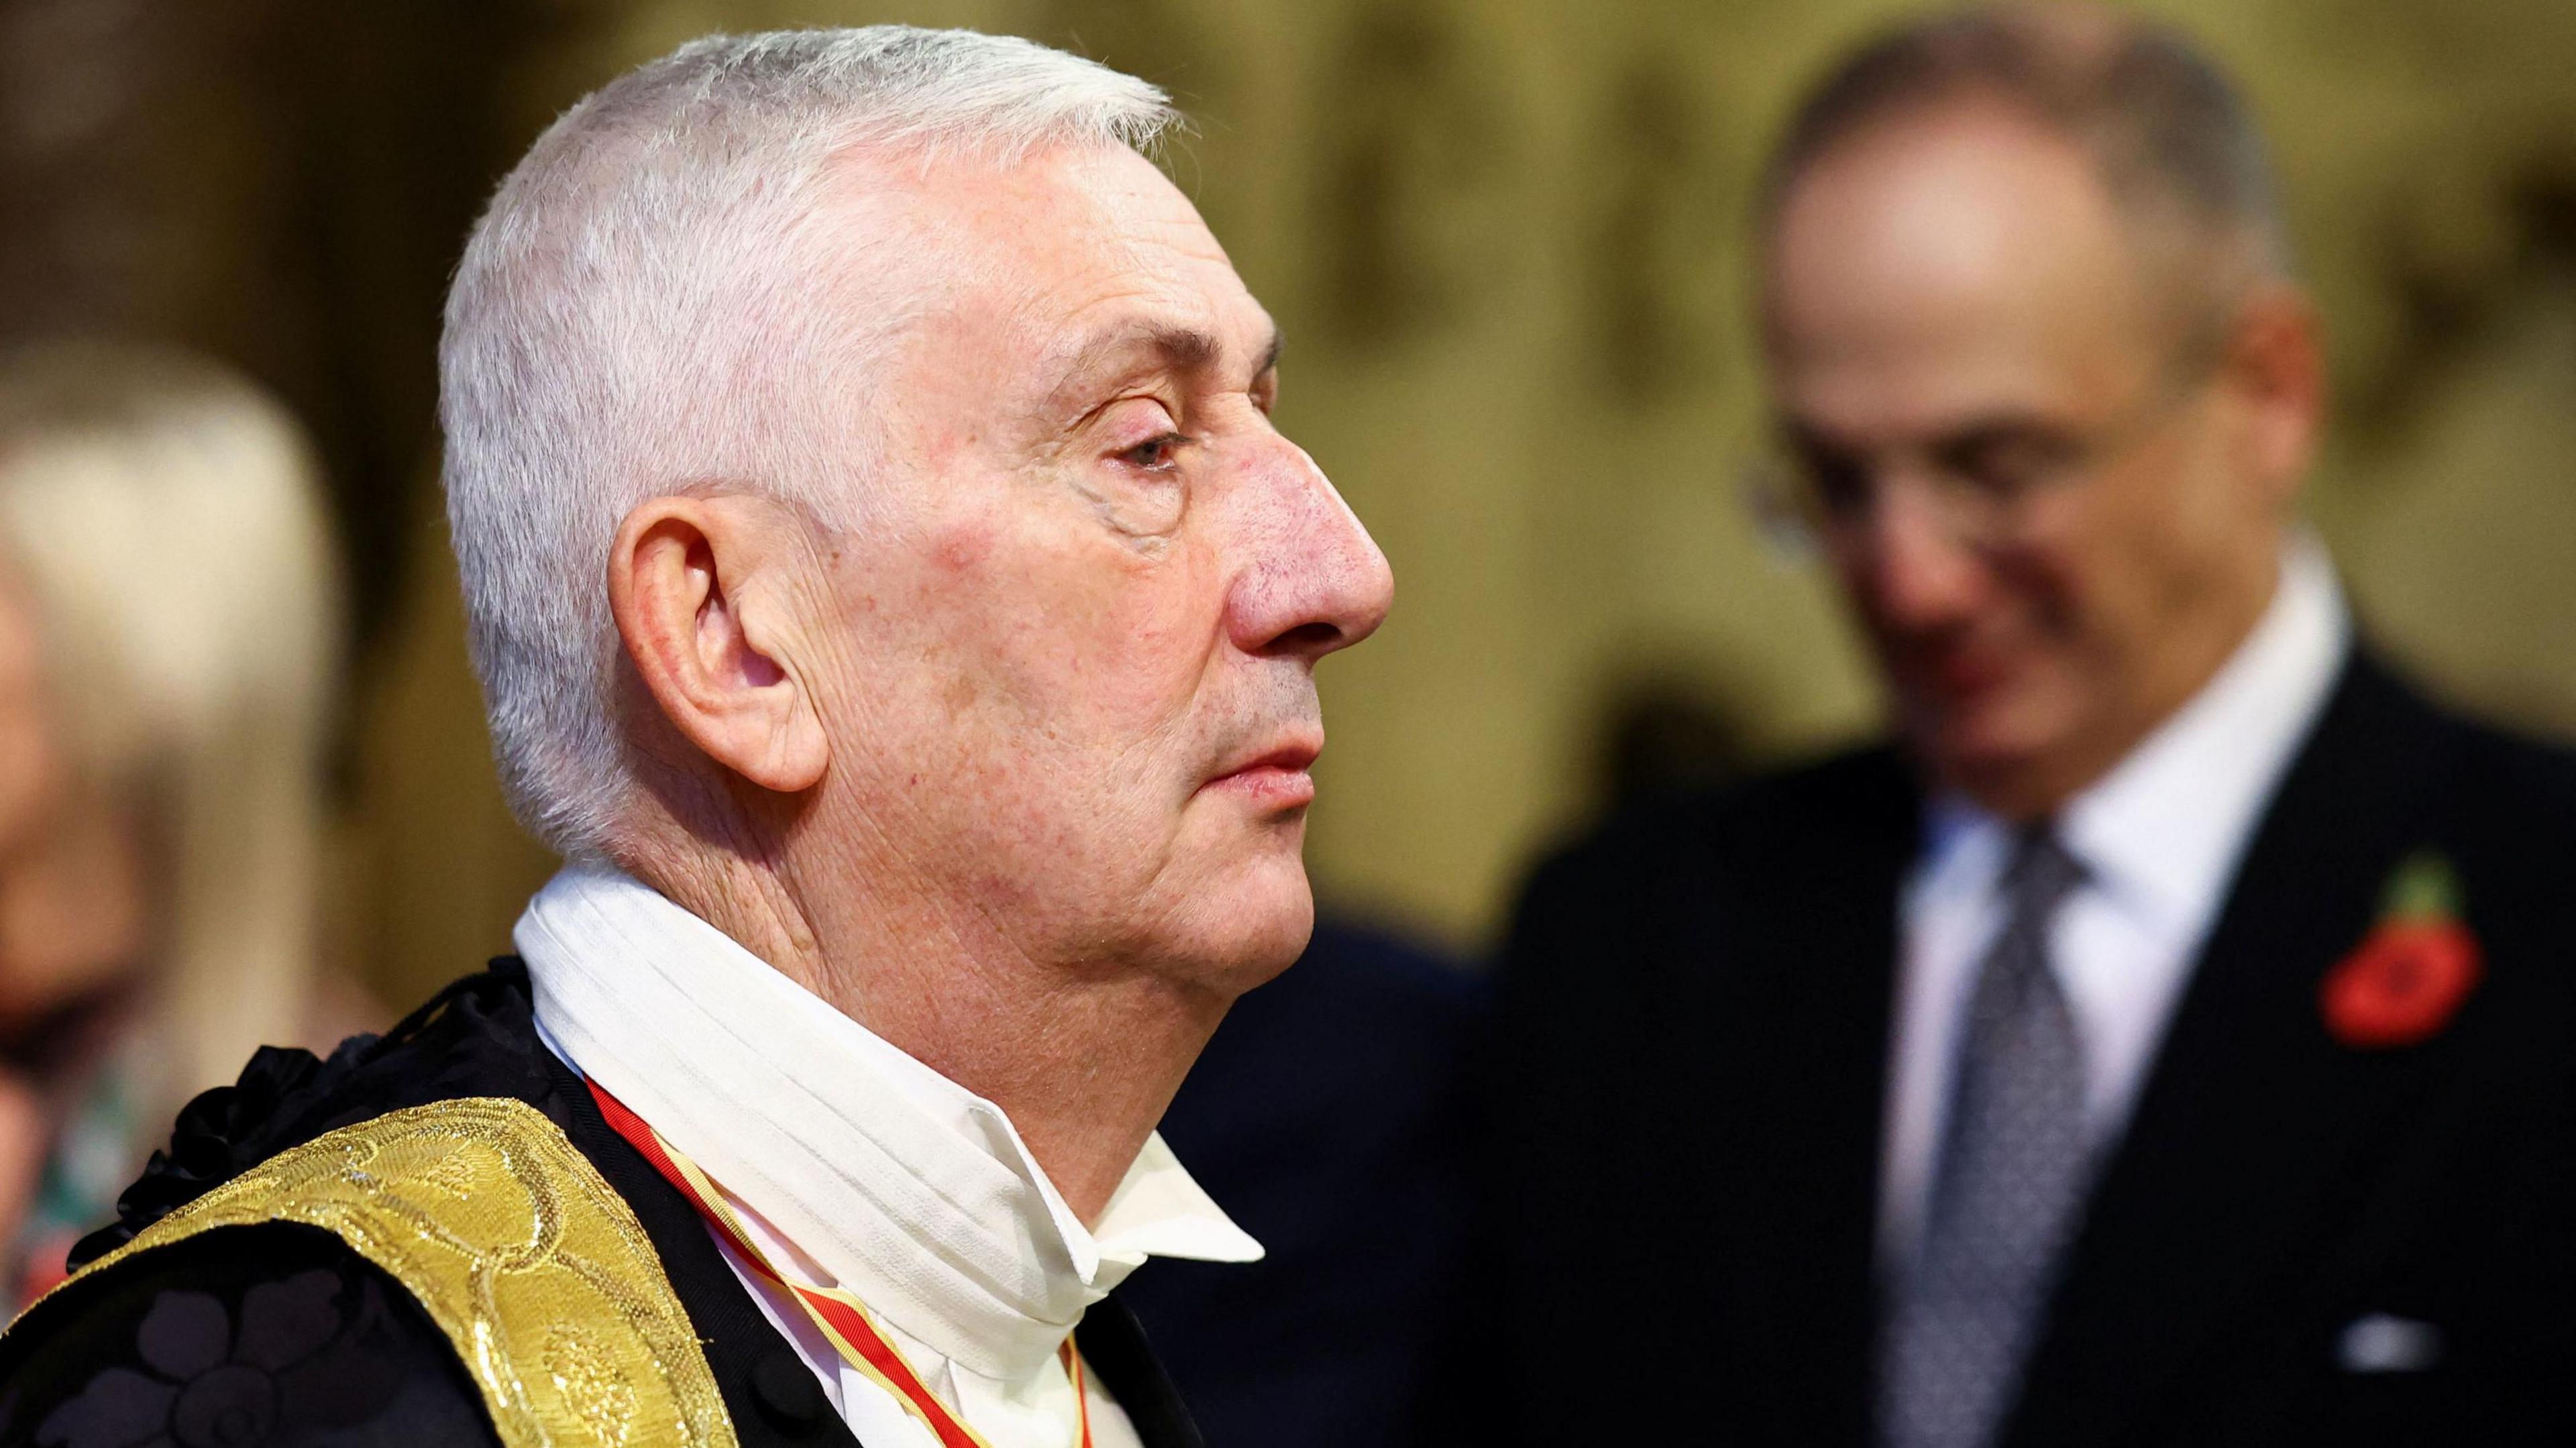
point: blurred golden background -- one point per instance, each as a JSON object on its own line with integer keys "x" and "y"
{"x": 1506, "y": 242}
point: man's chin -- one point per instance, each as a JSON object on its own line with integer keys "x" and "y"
{"x": 1244, "y": 933}
{"x": 1983, "y": 753}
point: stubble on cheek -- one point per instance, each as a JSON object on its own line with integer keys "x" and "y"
{"x": 1056, "y": 676}
{"x": 1068, "y": 623}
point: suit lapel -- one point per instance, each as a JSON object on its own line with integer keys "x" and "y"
{"x": 1113, "y": 1346}
{"x": 2242, "y": 1145}
{"x": 1797, "y": 1159}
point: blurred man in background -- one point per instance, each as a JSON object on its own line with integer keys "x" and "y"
{"x": 2171, "y": 1039}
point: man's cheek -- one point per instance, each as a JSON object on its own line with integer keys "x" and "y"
{"x": 1139, "y": 658}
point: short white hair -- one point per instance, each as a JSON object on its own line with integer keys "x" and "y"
{"x": 632, "y": 318}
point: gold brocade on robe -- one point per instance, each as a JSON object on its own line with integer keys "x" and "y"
{"x": 512, "y": 1242}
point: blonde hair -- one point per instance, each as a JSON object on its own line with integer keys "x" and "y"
{"x": 163, "y": 516}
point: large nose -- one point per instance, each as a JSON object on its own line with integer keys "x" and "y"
{"x": 1312, "y": 581}
{"x": 1908, "y": 565}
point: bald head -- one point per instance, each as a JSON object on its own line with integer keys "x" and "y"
{"x": 2158, "y": 123}
{"x": 1951, "y": 267}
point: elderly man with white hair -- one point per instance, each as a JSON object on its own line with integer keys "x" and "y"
{"x": 892, "y": 597}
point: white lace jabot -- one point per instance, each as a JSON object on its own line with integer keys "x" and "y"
{"x": 878, "y": 1174}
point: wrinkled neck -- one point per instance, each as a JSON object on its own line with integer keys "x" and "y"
{"x": 1084, "y": 1059}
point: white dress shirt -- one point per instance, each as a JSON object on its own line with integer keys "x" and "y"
{"x": 855, "y": 1166}
{"x": 2159, "y": 837}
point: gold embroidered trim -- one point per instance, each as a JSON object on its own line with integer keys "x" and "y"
{"x": 517, "y": 1248}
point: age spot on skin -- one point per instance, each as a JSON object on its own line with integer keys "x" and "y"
{"x": 961, "y": 548}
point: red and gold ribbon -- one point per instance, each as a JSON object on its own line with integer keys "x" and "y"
{"x": 840, "y": 1317}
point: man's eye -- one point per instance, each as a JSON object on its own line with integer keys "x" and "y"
{"x": 1841, "y": 485}
{"x": 1155, "y": 454}
{"x": 2008, "y": 466}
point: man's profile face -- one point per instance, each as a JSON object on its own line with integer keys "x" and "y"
{"x": 1083, "y": 616}
{"x": 2039, "y": 498}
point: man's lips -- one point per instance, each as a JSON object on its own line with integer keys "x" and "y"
{"x": 1965, "y": 676}
{"x": 1952, "y": 672}
{"x": 1277, "y": 779}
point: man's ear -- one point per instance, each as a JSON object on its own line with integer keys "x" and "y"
{"x": 699, "y": 590}
{"x": 2278, "y": 362}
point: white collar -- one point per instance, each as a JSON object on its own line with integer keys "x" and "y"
{"x": 2160, "y": 835}
{"x": 894, "y": 1181}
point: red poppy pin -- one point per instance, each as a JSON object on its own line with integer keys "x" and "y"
{"x": 2407, "y": 978}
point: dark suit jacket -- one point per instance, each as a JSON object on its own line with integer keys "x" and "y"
{"x": 1690, "y": 1067}
{"x": 279, "y": 1335}
{"x": 1322, "y": 1118}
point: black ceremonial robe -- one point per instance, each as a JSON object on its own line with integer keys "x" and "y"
{"x": 279, "y": 1333}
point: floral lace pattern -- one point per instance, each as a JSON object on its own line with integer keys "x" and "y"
{"x": 315, "y": 1355}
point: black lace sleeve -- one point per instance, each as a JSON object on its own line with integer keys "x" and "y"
{"x": 272, "y": 1336}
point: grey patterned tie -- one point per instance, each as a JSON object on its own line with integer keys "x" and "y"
{"x": 2011, "y": 1178}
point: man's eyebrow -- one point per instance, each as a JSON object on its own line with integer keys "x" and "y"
{"x": 1975, "y": 428}
{"x": 1184, "y": 349}
{"x": 1180, "y": 349}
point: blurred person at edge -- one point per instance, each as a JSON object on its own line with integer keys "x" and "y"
{"x": 891, "y": 595}
{"x": 2169, "y": 1039}
{"x": 168, "y": 636}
